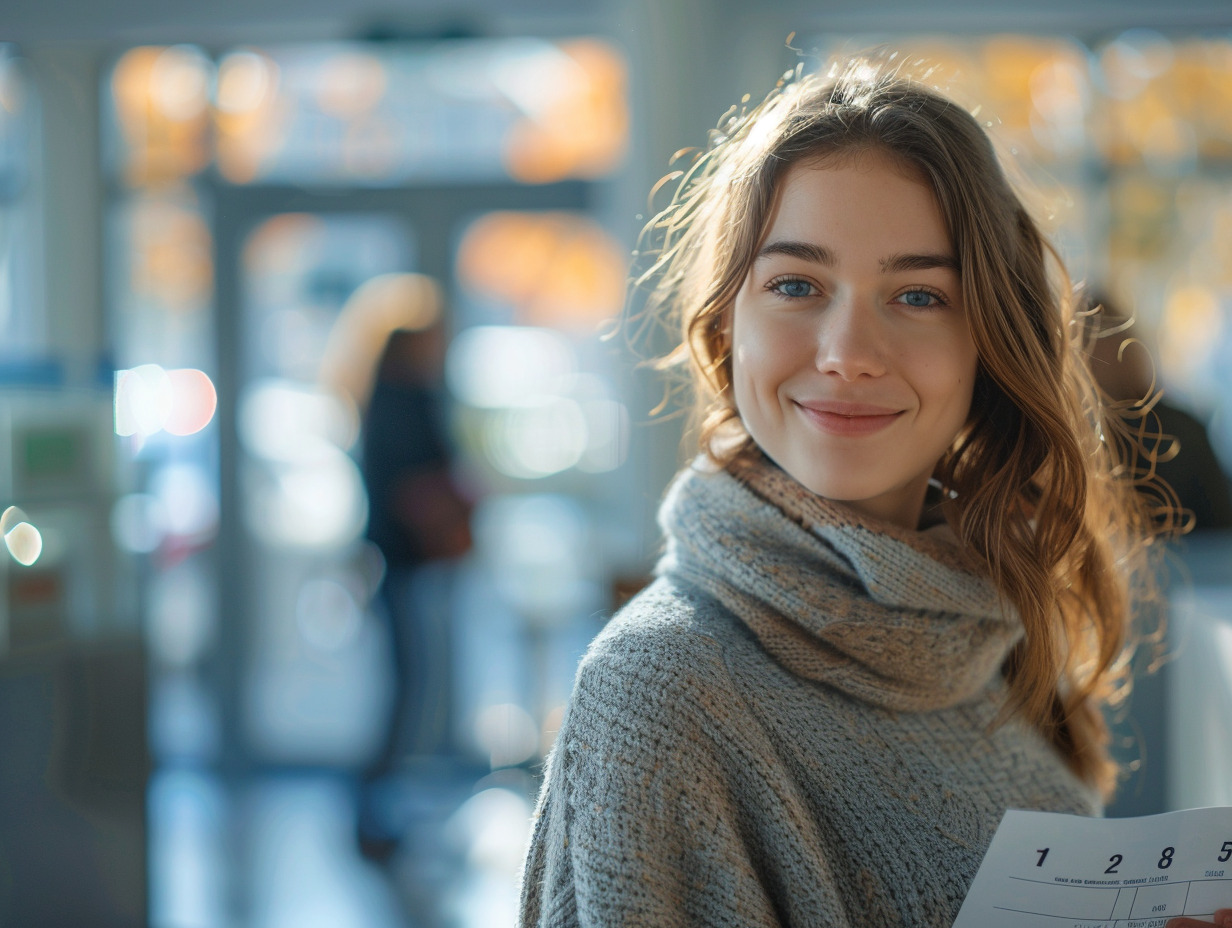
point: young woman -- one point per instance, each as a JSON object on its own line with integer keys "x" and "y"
{"x": 894, "y": 596}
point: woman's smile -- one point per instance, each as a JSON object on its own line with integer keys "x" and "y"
{"x": 848, "y": 419}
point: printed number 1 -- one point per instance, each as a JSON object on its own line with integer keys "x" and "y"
{"x": 1043, "y": 852}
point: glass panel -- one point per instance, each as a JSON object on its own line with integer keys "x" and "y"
{"x": 525, "y": 109}
{"x": 161, "y": 279}
{"x": 23, "y": 336}
{"x": 307, "y": 366}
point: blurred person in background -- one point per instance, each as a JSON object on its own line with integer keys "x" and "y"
{"x": 419, "y": 519}
{"x": 1120, "y": 358}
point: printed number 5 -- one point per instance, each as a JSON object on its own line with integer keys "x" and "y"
{"x": 1226, "y": 854}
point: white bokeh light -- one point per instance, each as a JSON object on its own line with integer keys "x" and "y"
{"x": 142, "y": 400}
{"x": 149, "y": 399}
{"x": 537, "y": 439}
{"x": 318, "y": 504}
{"x": 280, "y": 420}
{"x": 23, "y": 540}
{"x": 494, "y": 367}
{"x": 507, "y": 733}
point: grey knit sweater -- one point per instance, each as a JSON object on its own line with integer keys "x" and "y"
{"x": 791, "y": 726}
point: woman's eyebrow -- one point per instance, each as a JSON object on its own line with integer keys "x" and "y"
{"x": 806, "y": 251}
{"x": 923, "y": 262}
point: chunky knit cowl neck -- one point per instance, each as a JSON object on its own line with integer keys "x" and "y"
{"x": 900, "y": 619}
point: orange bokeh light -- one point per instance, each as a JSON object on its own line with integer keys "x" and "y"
{"x": 584, "y": 130}
{"x": 554, "y": 269}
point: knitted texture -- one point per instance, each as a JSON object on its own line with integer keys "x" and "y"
{"x": 792, "y": 726}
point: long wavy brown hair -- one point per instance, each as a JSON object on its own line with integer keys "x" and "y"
{"x": 1048, "y": 484}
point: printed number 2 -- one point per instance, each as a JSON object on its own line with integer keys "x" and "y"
{"x": 1113, "y": 862}
{"x": 1225, "y": 852}
{"x": 1043, "y": 852}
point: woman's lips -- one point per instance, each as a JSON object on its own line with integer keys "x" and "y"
{"x": 849, "y": 419}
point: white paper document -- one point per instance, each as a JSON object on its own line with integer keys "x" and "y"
{"x": 1045, "y": 870}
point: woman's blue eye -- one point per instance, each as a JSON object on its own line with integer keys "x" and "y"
{"x": 794, "y": 288}
{"x": 919, "y": 298}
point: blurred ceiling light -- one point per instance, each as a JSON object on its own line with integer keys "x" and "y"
{"x": 554, "y": 269}
{"x": 350, "y": 84}
{"x": 249, "y": 115}
{"x": 494, "y": 367}
{"x": 577, "y": 118}
{"x": 1058, "y": 88}
{"x": 1191, "y": 331}
{"x": 149, "y": 399}
{"x": 535, "y": 76}
{"x": 130, "y": 80}
{"x": 1131, "y": 61}
{"x": 161, "y": 99}
{"x": 246, "y": 81}
{"x": 180, "y": 81}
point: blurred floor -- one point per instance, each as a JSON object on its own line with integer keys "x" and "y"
{"x": 282, "y": 852}
{"x": 279, "y": 846}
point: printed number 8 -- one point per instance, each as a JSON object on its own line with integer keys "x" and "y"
{"x": 1165, "y": 860}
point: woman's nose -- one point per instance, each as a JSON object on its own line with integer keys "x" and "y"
{"x": 850, "y": 341}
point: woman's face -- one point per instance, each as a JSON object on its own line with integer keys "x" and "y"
{"x": 852, "y": 359}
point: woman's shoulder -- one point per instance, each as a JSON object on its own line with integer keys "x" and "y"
{"x": 668, "y": 639}
{"x": 667, "y": 621}
{"x": 656, "y": 682}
